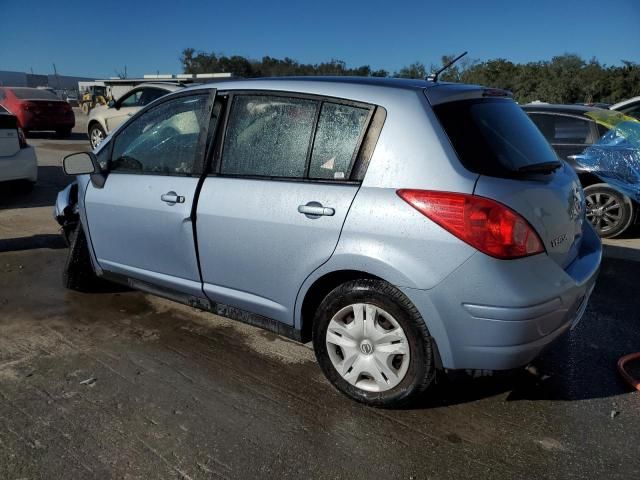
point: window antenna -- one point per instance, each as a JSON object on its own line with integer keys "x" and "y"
{"x": 433, "y": 77}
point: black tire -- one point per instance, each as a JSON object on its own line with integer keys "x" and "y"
{"x": 78, "y": 272}
{"x": 421, "y": 370}
{"x": 621, "y": 208}
{"x": 99, "y": 132}
{"x": 63, "y": 132}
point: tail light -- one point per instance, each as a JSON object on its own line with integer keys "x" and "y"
{"x": 485, "y": 224}
{"x": 22, "y": 139}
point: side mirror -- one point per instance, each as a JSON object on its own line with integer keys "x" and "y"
{"x": 82, "y": 163}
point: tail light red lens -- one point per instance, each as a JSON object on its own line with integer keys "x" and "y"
{"x": 485, "y": 224}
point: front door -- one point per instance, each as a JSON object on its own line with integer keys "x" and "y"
{"x": 140, "y": 220}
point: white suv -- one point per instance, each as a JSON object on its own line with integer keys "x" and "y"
{"x": 17, "y": 159}
{"x": 104, "y": 119}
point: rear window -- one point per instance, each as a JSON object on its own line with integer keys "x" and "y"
{"x": 493, "y": 136}
{"x": 33, "y": 94}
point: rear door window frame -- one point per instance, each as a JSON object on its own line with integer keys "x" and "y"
{"x": 362, "y": 152}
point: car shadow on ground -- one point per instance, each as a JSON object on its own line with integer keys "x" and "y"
{"x": 581, "y": 365}
{"x": 51, "y": 180}
{"x": 47, "y": 240}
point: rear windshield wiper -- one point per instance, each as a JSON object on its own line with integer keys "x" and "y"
{"x": 543, "y": 167}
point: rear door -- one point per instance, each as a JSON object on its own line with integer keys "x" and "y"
{"x": 273, "y": 211}
{"x": 140, "y": 220}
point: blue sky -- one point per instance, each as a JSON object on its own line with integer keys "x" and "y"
{"x": 149, "y": 36}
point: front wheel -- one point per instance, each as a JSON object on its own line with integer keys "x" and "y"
{"x": 96, "y": 135}
{"x": 609, "y": 211}
{"x": 78, "y": 272}
{"x": 372, "y": 344}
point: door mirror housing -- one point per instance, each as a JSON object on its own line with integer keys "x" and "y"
{"x": 81, "y": 163}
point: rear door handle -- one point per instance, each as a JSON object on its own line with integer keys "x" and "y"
{"x": 172, "y": 198}
{"x": 315, "y": 209}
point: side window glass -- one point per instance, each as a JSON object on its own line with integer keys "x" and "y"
{"x": 132, "y": 100}
{"x": 149, "y": 95}
{"x": 334, "y": 148}
{"x": 545, "y": 124}
{"x": 268, "y": 136}
{"x": 164, "y": 140}
{"x": 569, "y": 130}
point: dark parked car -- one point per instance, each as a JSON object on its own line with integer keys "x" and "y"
{"x": 569, "y": 131}
{"x": 38, "y": 109}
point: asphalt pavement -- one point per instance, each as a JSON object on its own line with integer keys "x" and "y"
{"x": 121, "y": 384}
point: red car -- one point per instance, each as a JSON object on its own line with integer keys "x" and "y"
{"x": 38, "y": 109}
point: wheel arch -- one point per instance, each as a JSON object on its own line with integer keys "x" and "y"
{"x": 93, "y": 122}
{"x": 317, "y": 290}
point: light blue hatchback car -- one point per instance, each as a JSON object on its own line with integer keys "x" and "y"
{"x": 405, "y": 226}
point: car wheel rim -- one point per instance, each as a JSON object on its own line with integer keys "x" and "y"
{"x": 604, "y": 211}
{"x": 368, "y": 347}
{"x": 96, "y": 137}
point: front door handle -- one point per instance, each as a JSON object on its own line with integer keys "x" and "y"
{"x": 172, "y": 198}
{"x": 315, "y": 210}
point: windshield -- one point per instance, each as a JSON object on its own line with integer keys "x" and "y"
{"x": 33, "y": 94}
{"x": 493, "y": 136}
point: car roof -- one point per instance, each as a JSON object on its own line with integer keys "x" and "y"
{"x": 169, "y": 87}
{"x": 579, "y": 110}
{"x": 624, "y": 103}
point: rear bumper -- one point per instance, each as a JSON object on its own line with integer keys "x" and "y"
{"x": 21, "y": 166}
{"x": 495, "y": 314}
{"x": 29, "y": 121}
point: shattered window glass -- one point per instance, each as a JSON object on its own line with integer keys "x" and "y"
{"x": 339, "y": 129}
{"x": 164, "y": 140}
{"x": 268, "y": 136}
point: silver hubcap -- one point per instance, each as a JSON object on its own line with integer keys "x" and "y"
{"x": 368, "y": 347}
{"x": 96, "y": 137}
{"x": 604, "y": 211}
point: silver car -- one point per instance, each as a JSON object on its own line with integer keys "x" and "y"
{"x": 404, "y": 226}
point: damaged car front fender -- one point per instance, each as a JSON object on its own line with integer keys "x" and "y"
{"x": 65, "y": 210}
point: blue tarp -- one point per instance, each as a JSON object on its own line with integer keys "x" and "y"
{"x": 615, "y": 158}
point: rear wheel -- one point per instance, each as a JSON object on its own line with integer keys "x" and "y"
{"x": 609, "y": 211}
{"x": 372, "y": 344}
{"x": 96, "y": 135}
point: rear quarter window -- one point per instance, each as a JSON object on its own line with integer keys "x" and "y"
{"x": 493, "y": 136}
